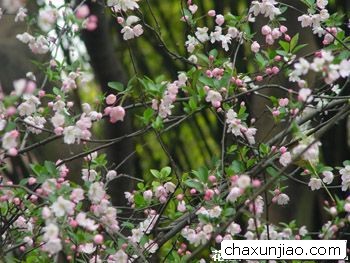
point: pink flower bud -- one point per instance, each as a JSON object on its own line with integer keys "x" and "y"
{"x": 33, "y": 198}
{"x": 212, "y": 178}
{"x": 111, "y": 99}
{"x": 218, "y": 239}
{"x": 269, "y": 39}
{"x": 276, "y": 33}
{"x": 283, "y": 29}
{"x": 4, "y": 198}
{"x": 276, "y": 113}
{"x": 318, "y": 54}
{"x": 16, "y": 201}
{"x": 275, "y": 70}
{"x": 120, "y": 20}
{"x": 91, "y": 24}
{"x": 193, "y": 8}
{"x": 259, "y": 78}
{"x": 347, "y": 207}
{"x": 82, "y": 12}
{"x": 180, "y": 197}
{"x": 98, "y": 239}
{"x": 239, "y": 82}
{"x": 70, "y": 104}
{"x": 41, "y": 93}
{"x": 60, "y": 180}
{"x": 107, "y": 110}
{"x": 266, "y": 30}
{"x": 11, "y": 111}
{"x": 219, "y": 20}
{"x": 162, "y": 199}
{"x": 193, "y": 191}
{"x": 283, "y": 149}
{"x": 278, "y": 58}
{"x": 58, "y": 131}
{"x": 208, "y": 194}
{"x": 255, "y": 47}
{"x": 117, "y": 114}
{"x": 256, "y": 183}
{"x": 211, "y": 13}
{"x": 31, "y": 180}
{"x": 31, "y": 86}
{"x": 209, "y": 73}
{"x": 12, "y": 152}
{"x": 283, "y": 102}
{"x": 268, "y": 71}
{"x": 274, "y": 199}
{"x": 216, "y": 104}
{"x": 287, "y": 38}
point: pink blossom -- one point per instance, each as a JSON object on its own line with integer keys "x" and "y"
{"x": 147, "y": 195}
{"x": 275, "y": 70}
{"x": 283, "y": 29}
{"x": 304, "y": 93}
{"x": 276, "y": 34}
{"x": 255, "y": 47}
{"x": 193, "y": 8}
{"x": 82, "y": 12}
{"x": 98, "y": 239}
{"x": 181, "y": 207}
{"x": 283, "y": 102}
{"x": 219, "y": 20}
{"x": 117, "y": 114}
{"x": 269, "y": 39}
{"x": 91, "y": 23}
{"x": 111, "y": 99}
{"x": 211, "y": 13}
{"x": 266, "y": 30}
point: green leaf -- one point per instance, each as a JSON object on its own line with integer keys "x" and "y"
{"x": 50, "y": 167}
{"x": 228, "y": 212}
{"x": 194, "y": 184}
{"x": 294, "y": 41}
{"x": 158, "y": 123}
{"x": 139, "y": 201}
{"x": 299, "y": 47}
{"x": 165, "y": 172}
{"x": 128, "y": 225}
{"x": 237, "y": 166}
{"x": 272, "y": 171}
{"x": 116, "y": 86}
{"x": 284, "y": 45}
{"x": 192, "y": 103}
{"x": 147, "y": 115}
{"x": 141, "y": 186}
{"x": 155, "y": 173}
{"x": 261, "y": 60}
{"x": 202, "y": 174}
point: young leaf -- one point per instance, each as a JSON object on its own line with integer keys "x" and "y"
{"x": 116, "y": 86}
